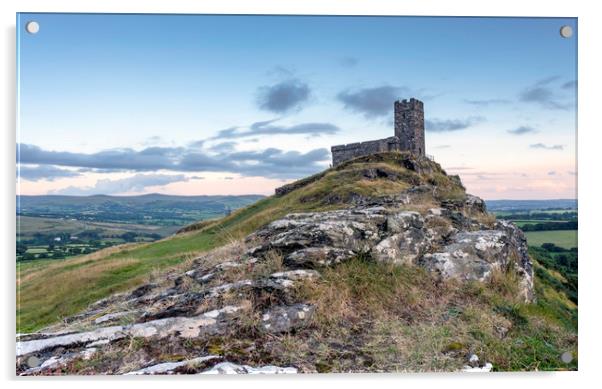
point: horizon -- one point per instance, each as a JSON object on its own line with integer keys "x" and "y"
{"x": 202, "y": 105}
{"x": 246, "y": 194}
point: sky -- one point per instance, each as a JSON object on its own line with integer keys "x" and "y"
{"x": 210, "y": 104}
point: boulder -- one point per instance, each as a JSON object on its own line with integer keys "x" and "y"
{"x": 286, "y": 318}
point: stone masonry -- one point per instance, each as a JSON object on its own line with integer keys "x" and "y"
{"x": 409, "y": 125}
{"x": 409, "y": 135}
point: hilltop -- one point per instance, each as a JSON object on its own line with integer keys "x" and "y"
{"x": 382, "y": 263}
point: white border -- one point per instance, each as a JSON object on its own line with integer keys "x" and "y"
{"x": 589, "y": 174}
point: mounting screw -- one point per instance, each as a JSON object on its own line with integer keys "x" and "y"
{"x": 32, "y": 27}
{"x": 566, "y": 31}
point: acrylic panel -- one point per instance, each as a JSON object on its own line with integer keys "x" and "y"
{"x": 212, "y": 194}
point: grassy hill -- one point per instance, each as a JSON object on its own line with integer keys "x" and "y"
{"x": 52, "y": 290}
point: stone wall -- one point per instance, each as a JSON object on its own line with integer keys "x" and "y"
{"x": 409, "y": 125}
{"x": 344, "y": 153}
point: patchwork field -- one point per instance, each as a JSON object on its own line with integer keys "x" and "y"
{"x": 563, "y": 238}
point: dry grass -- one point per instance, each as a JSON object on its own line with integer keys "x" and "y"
{"x": 57, "y": 265}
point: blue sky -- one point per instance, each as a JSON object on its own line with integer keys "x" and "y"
{"x": 192, "y": 104}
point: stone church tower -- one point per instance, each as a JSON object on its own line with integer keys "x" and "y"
{"x": 409, "y": 125}
{"x": 409, "y": 135}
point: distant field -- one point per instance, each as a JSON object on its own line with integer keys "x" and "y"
{"x": 521, "y": 223}
{"x": 28, "y": 225}
{"x": 562, "y": 238}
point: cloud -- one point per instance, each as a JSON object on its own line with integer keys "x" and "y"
{"x": 442, "y": 147}
{"x": 547, "y": 81}
{"x": 522, "y": 130}
{"x": 223, "y": 146}
{"x": 284, "y": 96}
{"x": 150, "y": 158}
{"x": 551, "y": 173}
{"x": 372, "y": 102}
{"x": 348, "y": 62}
{"x": 487, "y": 102}
{"x": 546, "y": 147}
{"x": 271, "y": 162}
{"x": 268, "y": 128}
{"x": 136, "y": 183}
{"x": 198, "y": 143}
{"x": 44, "y": 172}
{"x": 439, "y": 125}
{"x": 569, "y": 85}
{"x": 544, "y": 94}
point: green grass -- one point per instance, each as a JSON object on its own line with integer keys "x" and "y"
{"x": 561, "y": 238}
{"x": 37, "y": 250}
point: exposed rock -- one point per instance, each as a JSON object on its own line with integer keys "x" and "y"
{"x": 170, "y": 367}
{"x": 486, "y": 368}
{"x": 286, "y": 318}
{"x": 141, "y": 291}
{"x": 473, "y": 255}
{"x": 232, "y": 368}
{"x": 296, "y": 275}
{"x": 109, "y": 317}
{"x": 473, "y": 360}
{"x": 408, "y": 241}
{"x": 318, "y": 256}
{"x": 402, "y": 237}
{"x": 187, "y": 327}
{"x": 57, "y": 361}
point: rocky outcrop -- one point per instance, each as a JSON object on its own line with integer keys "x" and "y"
{"x": 474, "y": 255}
{"x": 187, "y": 327}
{"x": 439, "y": 241}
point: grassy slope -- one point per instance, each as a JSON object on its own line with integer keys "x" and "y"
{"x": 54, "y": 290}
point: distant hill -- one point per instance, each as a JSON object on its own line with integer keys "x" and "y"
{"x": 524, "y": 205}
{"x": 148, "y": 209}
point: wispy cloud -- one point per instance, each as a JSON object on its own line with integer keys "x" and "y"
{"x": 487, "y": 102}
{"x": 44, "y": 172}
{"x": 283, "y": 97}
{"x": 446, "y": 125}
{"x": 522, "y": 130}
{"x": 223, "y": 146}
{"x": 544, "y": 93}
{"x": 136, "y": 183}
{"x": 372, "y": 102}
{"x": 546, "y": 147}
{"x": 269, "y": 128}
{"x": 569, "y": 85}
